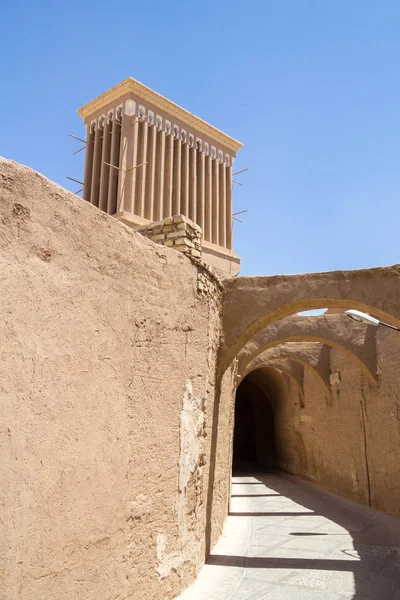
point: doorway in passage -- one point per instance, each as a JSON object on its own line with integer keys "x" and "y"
{"x": 253, "y": 438}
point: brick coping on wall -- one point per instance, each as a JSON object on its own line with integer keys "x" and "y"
{"x": 182, "y": 234}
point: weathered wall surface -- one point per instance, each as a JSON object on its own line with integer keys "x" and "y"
{"x": 352, "y": 446}
{"x": 115, "y": 436}
{"x": 107, "y": 398}
{"x": 221, "y": 440}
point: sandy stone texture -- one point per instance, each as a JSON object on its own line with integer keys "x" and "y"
{"x": 107, "y": 376}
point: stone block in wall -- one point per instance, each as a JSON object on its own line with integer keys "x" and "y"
{"x": 183, "y": 235}
{"x": 177, "y": 232}
{"x": 183, "y": 241}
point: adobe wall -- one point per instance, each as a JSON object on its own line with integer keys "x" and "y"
{"x": 329, "y": 444}
{"x": 107, "y": 395}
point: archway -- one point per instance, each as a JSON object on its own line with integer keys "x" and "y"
{"x": 312, "y": 356}
{"x": 253, "y": 303}
{"x": 358, "y": 341}
{"x": 254, "y": 435}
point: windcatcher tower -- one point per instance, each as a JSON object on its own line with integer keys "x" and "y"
{"x": 147, "y": 159}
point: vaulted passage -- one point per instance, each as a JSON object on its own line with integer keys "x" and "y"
{"x": 253, "y": 441}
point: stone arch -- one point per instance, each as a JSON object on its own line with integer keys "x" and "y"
{"x": 294, "y": 371}
{"x": 300, "y": 388}
{"x": 252, "y": 303}
{"x": 313, "y": 356}
{"x": 356, "y": 340}
{"x": 306, "y": 365}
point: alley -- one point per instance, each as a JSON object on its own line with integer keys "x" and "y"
{"x": 286, "y": 539}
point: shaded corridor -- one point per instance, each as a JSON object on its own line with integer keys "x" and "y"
{"x": 288, "y": 539}
{"x": 253, "y": 440}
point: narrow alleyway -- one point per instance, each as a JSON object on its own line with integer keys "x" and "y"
{"x": 286, "y": 539}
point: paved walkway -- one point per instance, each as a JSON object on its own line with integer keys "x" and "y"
{"x": 286, "y": 539}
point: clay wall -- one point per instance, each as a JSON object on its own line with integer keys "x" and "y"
{"x": 107, "y": 392}
{"x": 115, "y": 433}
{"x": 352, "y": 446}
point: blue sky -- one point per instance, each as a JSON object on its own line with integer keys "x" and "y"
{"x": 310, "y": 87}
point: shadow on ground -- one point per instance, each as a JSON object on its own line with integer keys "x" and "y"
{"x": 288, "y": 539}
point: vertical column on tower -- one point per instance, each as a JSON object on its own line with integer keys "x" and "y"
{"x": 141, "y": 167}
{"x": 151, "y": 171}
{"x": 160, "y": 173}
{"x": 201, "y": 173}
{"x": 114, "y": 161}
{"x": 228, "y": 215}
{"x": 169, "y": 172}
{"x": 184, "y": 176}
{"x": 176, "y": 197}
{"x": 127, "y": 159}
{"x": 98, "y": 143}
{"x": 208, "y": 200}
{"x": 105, "y": 160}
{"x": 215, "y": 201}
{"x": 192, "y": 180}
{"x": 222, "y": 203}
{"x": 87, "y": 178}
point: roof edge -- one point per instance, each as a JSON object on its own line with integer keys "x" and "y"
{"x": 159, "y": 101}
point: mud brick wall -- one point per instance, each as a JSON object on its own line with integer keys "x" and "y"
{"x": 104, "y": 470}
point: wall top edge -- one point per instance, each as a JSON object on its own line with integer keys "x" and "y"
{"x": 159, "y": 101}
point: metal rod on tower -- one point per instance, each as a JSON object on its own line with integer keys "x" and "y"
{"x": 76, "y": 180}
{"x": 139, "y": 119}
{"x": 110, "y": 165}
{"x": 137, "y": 166}
{"x": 80, "y": 150}
{"x": 77, "y": 138}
